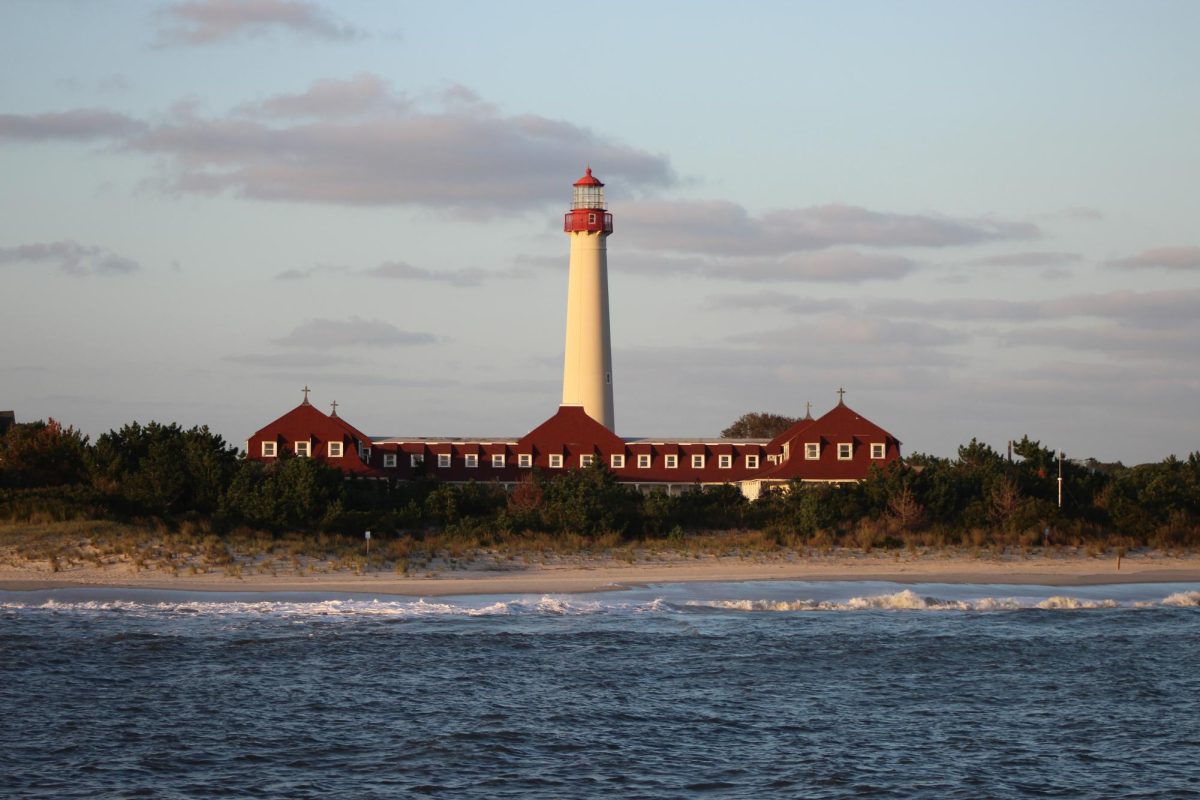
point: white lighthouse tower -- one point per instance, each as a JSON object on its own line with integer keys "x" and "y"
{"x": 587, "y": 366}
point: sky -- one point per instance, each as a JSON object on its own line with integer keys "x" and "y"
{"x": 980, "y": 219}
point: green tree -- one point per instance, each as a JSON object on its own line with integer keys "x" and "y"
{"x": 758, "y": 425}
{"x": 42, "y": 454}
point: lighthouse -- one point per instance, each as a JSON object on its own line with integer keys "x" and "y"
{"x": 587, "y": 364}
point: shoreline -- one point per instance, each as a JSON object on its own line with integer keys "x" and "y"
{"x": 585, "y": 575}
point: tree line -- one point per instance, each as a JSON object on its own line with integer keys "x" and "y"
{"x": 977, "y": 498}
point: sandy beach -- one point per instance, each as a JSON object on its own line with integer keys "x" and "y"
{"x": 580, "y": 574}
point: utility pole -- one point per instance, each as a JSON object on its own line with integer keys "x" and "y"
{"x": 1061, "y": 454}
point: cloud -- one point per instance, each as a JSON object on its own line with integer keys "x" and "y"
{"x": 726, "y": 228}
{"x": 1139, "y": 309}
{"x": 462, "y": 156}
{"x": 78, "y": 124}
{"x": 781, "y": 302}
{"x": 303, "y": 274}
{"x": 203, "y": 22}
{"x": 332, "y": 99}
{"x": 828, "y": 266}
{"x": 71, "y": 258}
{"x": 1029, "y": 259}
{"x": 322, "y": 334}
{"x": 291, "y": 360}
{"x": 399, "y": 270}
{"x": 1180, "y": 258}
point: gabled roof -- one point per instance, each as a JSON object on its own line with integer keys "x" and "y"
{"x": 572, "y": 427}
{"x": 840, "y": 424}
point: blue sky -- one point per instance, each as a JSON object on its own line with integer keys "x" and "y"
{"x": 979, "y": 218}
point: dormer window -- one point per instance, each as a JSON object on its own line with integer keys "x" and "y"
{"x": 443, "y": 460}
{"x": 644, "y": 461}
{"x": 752, "y": 462}
{"x": 586, "y": 460}
{"x": 268, "y": 450}
{"x": 845, "y": 451}
{"x": 471, "y": 460}
{"x": 525, "y": 460}
{"x": 671, "y": 462}
{"x": 812, "y": 450}
{"x": 617, "y": 461}
{"x": 556, "y": 461}
{"x": 724, "y": 461}
{"x": 335, "y": 449}
{"x": 303, "y": 449}
{"x": 697, "y": 462}
{"x": 416, "y": 459}
{"x": 389, "y": 460}
{"x": 878, "y": 450}
{"x": 497, "y": 460}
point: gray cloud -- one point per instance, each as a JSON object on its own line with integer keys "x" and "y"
{"x": 462, "y": 156}
{"x": 203, "y": 22}
{"x": 78, "y": 124}
{"x": 1175, "y": 345}
{"x": 303, "y": 274}
{"x": 399, "y": 270}
{"x": 726, "y": 228}
{"x": 1029, "y": 259}
{"x": 1141, "y": 309}
{"x": 291, "y": 360}
{"x": 780, "y": 302}
{"x": 322, "y": 334}
{"x": 1180, "y": 258}
{"x": 827, "y": 266}
{"x": 331, "y": 99}
{"x": 71, "y": 258}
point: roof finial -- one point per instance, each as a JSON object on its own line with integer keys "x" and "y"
{"x": 841, "y": 396}
{"x": 306, "y": 390}
{"x": 334, "y": 404}
{"x": 808, "y": 410}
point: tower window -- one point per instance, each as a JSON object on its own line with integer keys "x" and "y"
{"x": 591, "y": 219}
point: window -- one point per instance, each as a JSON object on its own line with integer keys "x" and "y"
{"x": 335, "y": 449}
{"x": 617, "y": 461}
{"x": 556, "y": 461}
{"x": 644, "y": 461}
{"x": 697, "y": 462}
{"x": 724, "y": 462}
{"x": 845, "y": 451}
{"x": 812, "y": 450}
{"x": 389, "y": 460}
{"x": 751, "y": 462}
{"x": 268, "y": 449}
{"x": 586, "y": 460}
{"x": 303, "y": 449}
{"x": 591, "y": 219}
{"x": 443, "y": 460}
{"x": 497, "y": 460}
{"x": 671, "y": 462}
{"x": 416, "y": 459}
{"x": 471, "y": 460}
{"x": 878, "y": 449}
{"x": 365, "y": 452}
{"x": 525, "y": 460}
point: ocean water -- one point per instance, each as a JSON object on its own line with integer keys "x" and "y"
{"x": 778, "y": 689}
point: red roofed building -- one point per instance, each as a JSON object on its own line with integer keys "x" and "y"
{"x": 307, "y": 432}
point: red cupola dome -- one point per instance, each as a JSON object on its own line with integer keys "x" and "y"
{"x": 587, "y": 212}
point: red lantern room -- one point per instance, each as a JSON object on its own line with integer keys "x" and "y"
{"x": 587, "y": 214}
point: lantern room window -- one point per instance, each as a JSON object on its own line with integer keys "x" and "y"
{"x": 588, "y": 197}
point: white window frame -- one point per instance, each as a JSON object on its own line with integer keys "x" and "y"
{"x": 586, "y": 459}
{"x": 389, "y": 460}
{"x": 617, "y": 461}
{"x": 697, "y": 461}
{"x": 643, "y": 461}
{"x": 270, "y": 450}
{"x": 416, "y": 459}
{"x": 471, "y": 461}
{"x": 302, "y": 449}
{"x": 725, "y": 462}
{"x": 525, "y": 460}
{"x": 671, "y": 461}
{"x": 878, "y": 450}
{"x": 365, "y": 453}
{"x": 497, "y": 460}
{"x": 751, "y": 461}
{"x": 812, "y": 451}
{"x": 591, "y": 219}
{"x": 845, "y": 451}
{"x": 556, "y": 461}
{"x": 336, "y": 449}
{"x": 443, "y": 460}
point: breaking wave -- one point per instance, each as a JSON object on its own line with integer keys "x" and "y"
{"x": 908, "y": 600}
